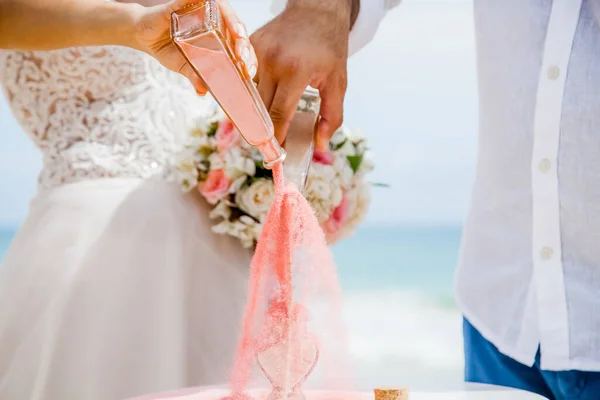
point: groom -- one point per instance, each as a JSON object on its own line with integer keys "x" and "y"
{"x": 528, "y": 280}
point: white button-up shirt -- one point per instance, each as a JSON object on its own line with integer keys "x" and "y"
{"x": 529, "y": 271}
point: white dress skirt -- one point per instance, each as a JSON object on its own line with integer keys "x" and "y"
{"x": 115, "y": 288}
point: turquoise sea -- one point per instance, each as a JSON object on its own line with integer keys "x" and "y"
{"x": 385, "y": 257}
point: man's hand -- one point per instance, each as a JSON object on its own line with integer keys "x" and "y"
{"x": 307, "y": 44}
{"x": 153, "y": 37}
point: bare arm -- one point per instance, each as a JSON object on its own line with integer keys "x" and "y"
{"x": 344, "y": 8}
{"x": 55, "y": 24}
{"x": 48, "y": 25}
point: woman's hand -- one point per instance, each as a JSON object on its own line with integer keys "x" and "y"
{"x": 48, "y": 25}
{"x": 153, "y": 36}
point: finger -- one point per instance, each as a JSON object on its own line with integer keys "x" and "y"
{"x": 285, "y": 103}
{"x": 244, "y": 52}
{"x": 254, "y": 57}
{"x": 266, "y": 87}
{"x": 233, "y": 22}
{"x": 332, "y": 110}
{"x": 254, "y": 61}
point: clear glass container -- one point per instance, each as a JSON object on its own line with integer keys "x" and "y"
{"x": 299, "y": 143}
{"x": 203, "y": 39}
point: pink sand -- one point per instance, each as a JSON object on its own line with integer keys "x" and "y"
{"x": 229, "y": 90}
{"x": 290, "y": 226}
{"x": 271, "y": 317}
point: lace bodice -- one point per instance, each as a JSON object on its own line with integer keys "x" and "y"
{"x": 99, "y": 112}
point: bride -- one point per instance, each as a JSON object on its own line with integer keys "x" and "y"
{"x": 114, "y": 286}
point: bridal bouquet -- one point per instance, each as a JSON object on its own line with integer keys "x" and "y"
{"x": 230, "y": 175}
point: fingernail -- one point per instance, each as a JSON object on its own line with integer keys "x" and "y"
{"x": 241, "y": 31}
{"x": 252, "y": 71}
{"x": 246, "y": 55}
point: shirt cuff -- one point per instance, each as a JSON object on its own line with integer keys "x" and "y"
{"x": 364, "y": 29}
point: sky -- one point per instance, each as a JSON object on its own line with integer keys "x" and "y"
{"x": 412, "y": 92}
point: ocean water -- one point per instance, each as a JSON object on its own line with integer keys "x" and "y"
{"x": 403, "y": 326}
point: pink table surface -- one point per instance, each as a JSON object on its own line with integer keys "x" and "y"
{"x": 468, "y": 391}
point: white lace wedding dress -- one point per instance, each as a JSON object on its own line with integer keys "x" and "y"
{"x": 114, "y": 286}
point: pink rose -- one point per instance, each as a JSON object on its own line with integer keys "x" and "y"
{"x": 323, "y": 157}
{"x": 227, "y": 136}
{"x": 215, "y": 187}
{"x": 338, "y": 218}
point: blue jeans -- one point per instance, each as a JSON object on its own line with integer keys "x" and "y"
{"x": 485, "y": 364}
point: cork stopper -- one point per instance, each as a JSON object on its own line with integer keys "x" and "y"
{"x": 399, "y": 393}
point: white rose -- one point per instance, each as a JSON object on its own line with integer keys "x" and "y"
{"x": 221, "y": 210}
{"x": 367, "y": 164}
{"x": 338, "y": 137}
{"x": 187, "y": 174}
{"x": 347, "y": 149}
{"x": 243, "y": 230}
{"x": 361, "y": 147}
{"x": 215, "y": 115}
{"x": 254, "y": 154}
{"x": 249, "y": 167}
{"x": 344, "y": 171}
{"x": 201, "y": 127}
{"x": 322, "y": 171}
{"x": 193, "y": 144}
{"x": 189, "y": 153}
{"x": 246, "y": 220}
{"x": 359, "y": 198}
{"x": 237, "y": 165}
{"x": 215, "y": 160}
{"x": 237, "y": 184}
{"x": 247, "y": 241}
{"x": 355, "y": 135}
{"x": 222, "y": 228}
{"x": 337, "y": 194}
{"x": 366, "y": 167}
{"x": 323, "y": 195}
{"x": 256, "y": 199}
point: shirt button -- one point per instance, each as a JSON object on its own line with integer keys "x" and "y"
{"x": 544, "y": 165}
{"x": 553, "y": 72}
{"x": 546, "y": 253}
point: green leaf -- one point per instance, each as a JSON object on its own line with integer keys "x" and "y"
{"x": 213, "y": 129}
{"x": 379, "y": 184}
{"x": 205, "y": 164}
{"x": 339, "y": 145}
{"x": 261, "y": 171}
{"x": 355, "y": 162}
